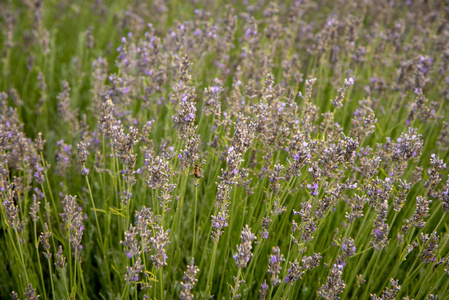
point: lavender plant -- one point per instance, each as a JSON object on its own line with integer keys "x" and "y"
{"x": 254, "y": 150}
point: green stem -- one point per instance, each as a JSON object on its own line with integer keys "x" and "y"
{"x": 95, "y": 213}
{"x": 44, "y": 165}
{"x": 374, "y": 260}
{"x": 36, "y": 245}
{"x": 51, "y": 279}
{"x": 194, "y": 221}
{"x": 161, "y": 283}
{"x": 21, "y": 255}
{"x": 65, "y": 282}
{"x": 211, "y": 270}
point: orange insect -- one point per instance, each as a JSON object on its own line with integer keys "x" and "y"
{"x": 197, "y": 172}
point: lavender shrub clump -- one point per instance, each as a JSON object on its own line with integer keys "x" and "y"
{"x": 221, "y": 150}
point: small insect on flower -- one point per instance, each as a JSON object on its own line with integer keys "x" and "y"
{"x": 197, "y": 172}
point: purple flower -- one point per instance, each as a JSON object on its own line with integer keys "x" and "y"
{"x": 215, "y": 89}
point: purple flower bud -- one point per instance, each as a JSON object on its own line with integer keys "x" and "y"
{"x": 215, "y": 89}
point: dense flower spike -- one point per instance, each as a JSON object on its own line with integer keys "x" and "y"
{"x": 73, "y": 223}
{"x": 244, "y": 254}
{"x": 132, "y": 273}
{"x": 274, "y": 265}
{"x": 30, "y": 293}
{"x": 189, "y": 281}
{"x": 334, "y": 285}
{"x": 296, "y": 270}
{"x": 158, "y": 243}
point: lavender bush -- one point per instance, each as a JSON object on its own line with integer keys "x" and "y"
{"x": 214, "y": 150}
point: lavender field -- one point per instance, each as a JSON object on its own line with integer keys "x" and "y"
{"x": 224, "y": 149}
